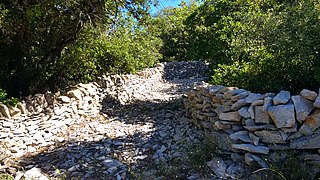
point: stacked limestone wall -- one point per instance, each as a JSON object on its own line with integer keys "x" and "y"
{"x": 240, "y": 121}
{"x": 39, "y": 120}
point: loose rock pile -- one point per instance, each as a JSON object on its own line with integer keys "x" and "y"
{"x": 252, "y": 124}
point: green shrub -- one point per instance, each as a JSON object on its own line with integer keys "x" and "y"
{"x": 128, "y": 48}
{"x": 8, "y": 101}
{"x": 277, "y": 48}
{"x": 36, "y": 37}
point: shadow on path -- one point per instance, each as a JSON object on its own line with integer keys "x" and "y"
{"x": 151, "y": 137}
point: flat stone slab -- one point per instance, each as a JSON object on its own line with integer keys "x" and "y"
{"x": 302, "y": 106}
{"x": 282, "y": 115}
{"x": 241, "y": 135}
{"x": 261, "y": 116}
{"x": 310, "y": 124}
{"x": 251, "y": 148}
{"x": 253, "y": 97}
{"x": 244, "y": 112}
{"x": 307, "y": 94}
{"x": 271, "y": 137}
{"x": 281, "y": 98}
{"x": 261, "y": 127}
{"x": 230, "y": 116}
{"x": 239, "y": 104}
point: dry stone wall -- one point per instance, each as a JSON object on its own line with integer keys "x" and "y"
{"x": 39, "y": 120}
{"x": 240, "y": 121}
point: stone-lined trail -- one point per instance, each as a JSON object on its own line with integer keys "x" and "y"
{"x": 118, "y": 128}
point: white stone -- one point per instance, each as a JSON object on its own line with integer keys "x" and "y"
{"x": 64, "y": 99}
{"x": 307, "y": 94}
{"x": 310, "y": 124}
{"x": 302, "y": 106}
{"x": 282, "y": 115}
{"x": 239, "y": 104}
{"x": 251, "y": 112}
{"x": 75, "y": 93}
{"x": 253, "y": 97}
{"x": 244, "y": 112}
{"x": 267, "y": 103}
{"x": 5, "y": 110}
{"x": 281, "y": 98}
{"x": 35, "y": 173}
{"x": 261, "y": 116}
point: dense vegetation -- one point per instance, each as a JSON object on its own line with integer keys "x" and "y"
{"x": 45, "y": 45}
{"x": 258, "y": 45}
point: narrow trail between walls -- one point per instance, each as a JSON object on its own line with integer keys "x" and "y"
{"x": 148, "y": 137}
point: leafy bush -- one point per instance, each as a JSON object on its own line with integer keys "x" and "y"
{"x": 34, "y": 35}
{"x": 266, "y": 46}
{"x": 170, "y": 23}
{"x": 258, "y": 45}
{"x": 126, "y": 49}
{"x": 8, "y": 101}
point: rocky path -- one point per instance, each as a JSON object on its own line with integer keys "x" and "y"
{"x": 146, "y": 138}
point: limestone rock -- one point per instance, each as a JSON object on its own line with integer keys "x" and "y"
{"x": 35, "y": 173}
{"x": 75, "y": 93}
{"x": 222, "y": 108}
{"x": 214, "y": 89}
{"x": 270, "y": 137}
{"x": 14, "y": 111}
{"x": 261, "y": 127}
{"x": 258, "y": 102}
{"x": 261, "y": 116}
{"x": 244, "y": 112}
{"x": 240, "y": 96}
{"x": 267, "y": 103}
{"x": 281, "y": 98}
{"x": 290, "y": 130}
{"x": 230, "y": 116}
{"x": 251, "y": 148}
{"x": 307, "y": 94}
{"x": 64, "y": 99}
{"x": 303, "y": 107}
{"x": 270, "y": 95}
{"x": 227, "y": 95}
{"x": 310, "y": 124}
{"x": 22, "y": 107}
{"x": 253, "y": 97}
{"x": 254, "y": 138}
{"x": 317, "y": 102}
{"x": 251, "y": 112}
{"x": 239, "y": 104}
{"x": 241, "y": 135}
{"x": 307, "y": 142}
{"x": 5, "y": 110}
{"x": 222, "y": 126}
{"x": 225, "y": 89}
{"x": 282, "y": 115}
{"x": 249, "y": 122}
